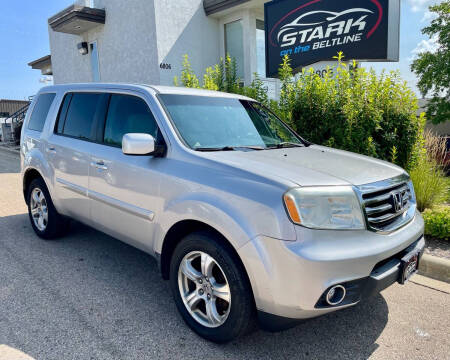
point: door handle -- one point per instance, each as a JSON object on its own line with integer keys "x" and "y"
{"x": 99, "y": 165}
{"x": 51, "y": 149}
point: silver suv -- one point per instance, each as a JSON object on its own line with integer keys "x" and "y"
{"x": 246, "y": 219}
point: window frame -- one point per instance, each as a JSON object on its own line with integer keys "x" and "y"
{"x": 239, "y": 20}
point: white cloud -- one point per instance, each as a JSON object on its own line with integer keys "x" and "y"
{"x": 428, "y": 16}
{"x": 420, "y": 5}
{"x": 430, "y": 45}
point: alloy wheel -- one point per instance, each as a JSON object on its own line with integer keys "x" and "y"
{"x": 39, "y": 209}
{"x": 204, "y": 289}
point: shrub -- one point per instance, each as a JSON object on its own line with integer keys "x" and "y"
{"x": 221, "y": 77}
{"x": 358, "y": 111}
{"x": 435, "y": 146}
{"x": 429, "y": 182}
{"x": 437, "y": 222}
{"x": 188, "y": 77}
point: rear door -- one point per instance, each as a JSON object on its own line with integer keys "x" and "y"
{"x": 124, "y": 188}
{"x": 69, "y": 148}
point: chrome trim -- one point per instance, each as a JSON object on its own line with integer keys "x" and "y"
{"x": 70, "y": 186}
{"x": 385, "y": 217}
{"x": 383, "y": 184}
{"x": 377, "y": 209}
{"x": 118, "y": 204}
{"x": 377, "y": 199}
{"x": 402, "y": 218}
{"x": 344, "y": 293}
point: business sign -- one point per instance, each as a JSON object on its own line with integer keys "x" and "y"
{"x": 311, "y": 31}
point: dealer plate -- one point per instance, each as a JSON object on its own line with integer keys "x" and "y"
{"x": 410, "y": 264}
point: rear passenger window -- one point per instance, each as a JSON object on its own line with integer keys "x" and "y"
{"x": 40, "y": 111}
{"x": 128, "y": 114}
{"x": 79, "y": 121}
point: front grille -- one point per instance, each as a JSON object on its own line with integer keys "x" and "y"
{"x": 388, "y": 205}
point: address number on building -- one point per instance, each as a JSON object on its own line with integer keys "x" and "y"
{"x": 165, "y": 66}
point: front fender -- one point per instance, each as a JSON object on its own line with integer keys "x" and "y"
{"x": 209, "y": 209}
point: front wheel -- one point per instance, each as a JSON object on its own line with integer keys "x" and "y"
{"x": 210, "y": 288}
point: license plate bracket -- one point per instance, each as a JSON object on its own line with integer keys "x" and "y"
{"x": 409, "y": 266}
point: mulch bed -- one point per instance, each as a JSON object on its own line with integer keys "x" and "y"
{"x": 437, "y": 247}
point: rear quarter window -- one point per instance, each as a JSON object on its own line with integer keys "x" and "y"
{"x": 40, "y": 111}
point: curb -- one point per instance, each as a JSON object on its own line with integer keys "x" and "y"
{"x": 435, "y": 267}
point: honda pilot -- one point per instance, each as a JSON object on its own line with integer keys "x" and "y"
{"x": 247, "y": 220}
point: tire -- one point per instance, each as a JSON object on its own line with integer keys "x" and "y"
{"x": 237, "y": 315}
{"x": 55, "y": 225}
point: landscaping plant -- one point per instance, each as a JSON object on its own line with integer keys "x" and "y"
{"x": 430, "y": 183}
{"x": 437, "y": 222}
{"x": 358, "y": 111}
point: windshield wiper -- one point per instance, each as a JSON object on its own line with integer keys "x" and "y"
{"x": 228, "y": 148}
{"x": 285, "y": 144}
{"x": 224, "y": 148}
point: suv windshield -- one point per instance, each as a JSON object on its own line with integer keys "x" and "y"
{"x": 214, "y": 123}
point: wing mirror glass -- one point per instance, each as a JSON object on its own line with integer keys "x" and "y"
{"x": 138, "y": 144}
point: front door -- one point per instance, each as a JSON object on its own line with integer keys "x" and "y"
{"x": 124, "y": 189}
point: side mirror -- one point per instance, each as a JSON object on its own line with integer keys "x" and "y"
{"x": 138, "y": 144}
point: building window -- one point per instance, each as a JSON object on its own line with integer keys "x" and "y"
{"x": 260, "y": 49}
{"x": 234, "y": 45}
{"x": 94, "y": 62}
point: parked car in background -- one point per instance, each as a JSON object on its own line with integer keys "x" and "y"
{"x": 246, "y": 219}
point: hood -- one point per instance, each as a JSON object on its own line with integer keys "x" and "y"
{"x": 312, "y": 165}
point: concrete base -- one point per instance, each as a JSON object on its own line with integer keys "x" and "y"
{"x": 435, "y": 267}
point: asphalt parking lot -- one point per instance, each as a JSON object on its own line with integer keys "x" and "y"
{"x": 89, "y": 296}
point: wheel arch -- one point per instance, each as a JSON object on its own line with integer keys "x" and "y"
{"x": 29, "y": 175}
{"x": 181, "y": 229}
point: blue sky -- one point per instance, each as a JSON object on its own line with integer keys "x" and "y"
{"x": 24, "y": 37}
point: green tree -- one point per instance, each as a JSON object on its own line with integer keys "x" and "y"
{"x": 433, "y": 68}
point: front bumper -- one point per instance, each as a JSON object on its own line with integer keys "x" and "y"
{"x": 289, "y": 278}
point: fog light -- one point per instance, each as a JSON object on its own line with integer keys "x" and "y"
{"x": 335, "y": 295}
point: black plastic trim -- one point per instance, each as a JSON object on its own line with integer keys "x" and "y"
{"x": 274, "y": 323}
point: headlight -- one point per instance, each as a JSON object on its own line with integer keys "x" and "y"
{"x": 324, "y": 207}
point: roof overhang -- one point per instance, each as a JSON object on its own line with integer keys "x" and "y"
{"x": 77, "y": 19}
{"x": 44, "y": 64}
{"x": 215, "y": 6}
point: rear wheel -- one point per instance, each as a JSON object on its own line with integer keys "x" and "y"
{"x": 210, "y": 288}
{"x": 47, "y": 223}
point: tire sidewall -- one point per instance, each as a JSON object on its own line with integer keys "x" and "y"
{"x": 51, "y": 229}
{"x": 240, "y": 311}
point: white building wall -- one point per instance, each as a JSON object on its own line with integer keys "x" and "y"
{"x": 183, "y": 28}
{"x": 126, "y": 46}
{"x": 141, "y": 35}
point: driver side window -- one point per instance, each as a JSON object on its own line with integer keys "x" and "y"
{"x": 127, "y": 114}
